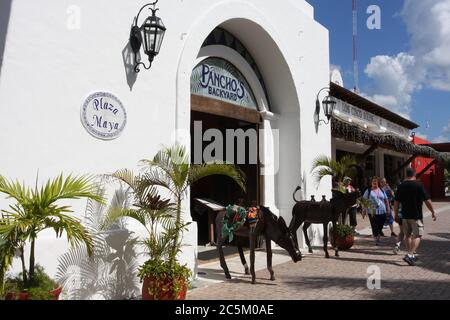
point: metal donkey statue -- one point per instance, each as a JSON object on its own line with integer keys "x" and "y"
{"x": 323, "y": 212}
{"x": 273, "y": 229}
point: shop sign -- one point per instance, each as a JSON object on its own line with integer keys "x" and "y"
{"x": 103, "y": 115}
{"x": 218, "y": 79}
{"x": 369, "y": 119}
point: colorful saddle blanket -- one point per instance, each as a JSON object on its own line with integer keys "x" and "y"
{"x": 236, "y": 217}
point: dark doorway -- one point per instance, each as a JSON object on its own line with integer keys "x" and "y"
{"x": 220, "y": 189}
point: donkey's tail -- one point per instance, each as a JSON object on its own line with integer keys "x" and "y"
{"x": 296, "y": 190}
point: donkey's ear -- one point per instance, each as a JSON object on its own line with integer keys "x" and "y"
{"x": 282, "y": 224}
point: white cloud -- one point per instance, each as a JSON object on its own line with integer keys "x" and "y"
{"x": 440, "y": 139}
{"x": 392, "y": 77}
{"x": 445, "y": 137}
{"x": 428, "y": 22}
{"x": 427, "y": 64}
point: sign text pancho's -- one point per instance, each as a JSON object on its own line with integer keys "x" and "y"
{"x": 218, "y": 79}
{"x": 103, "y": 115}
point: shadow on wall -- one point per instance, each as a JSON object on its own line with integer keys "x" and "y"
{"x": 5, "y": 10}
{"x": 129, "y": 61}
{"x": 111, "y": 272}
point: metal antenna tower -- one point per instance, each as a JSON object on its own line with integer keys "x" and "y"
{"x": 355, "y": 46}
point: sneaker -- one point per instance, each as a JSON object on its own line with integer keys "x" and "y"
{"x": 396, "y": 249}
{"x": 393, "y": 234}
{"x": 409, "y": 260}
{"x": 415, "y": 258}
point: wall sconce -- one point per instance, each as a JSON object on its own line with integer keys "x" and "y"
{"x": 328, "y": 105}
{"x": 151, "y": 33}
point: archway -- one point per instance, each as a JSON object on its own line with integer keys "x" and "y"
{"x": 280, "y": 151}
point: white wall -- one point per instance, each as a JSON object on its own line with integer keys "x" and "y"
{"x": 48, "y": 70}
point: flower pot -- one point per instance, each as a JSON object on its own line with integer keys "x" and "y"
{"x": 24, "y": 295}
{"x": 345, "y": 243}
{"x": 154, "y": 289}
{"x": 55, "y": 293}
{"x": 10, "y": 295}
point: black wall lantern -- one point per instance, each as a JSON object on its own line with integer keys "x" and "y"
{"x": 151, "y": 34}
{"x": 328, "y": 105}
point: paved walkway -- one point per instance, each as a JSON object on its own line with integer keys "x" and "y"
{"x": 345, "y": 277}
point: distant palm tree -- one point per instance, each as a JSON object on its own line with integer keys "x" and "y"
{"x": 37, "y": 209}
{"x": 324, "y": 166}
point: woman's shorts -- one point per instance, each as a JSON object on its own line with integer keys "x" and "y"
{"x": 389, "y": 219}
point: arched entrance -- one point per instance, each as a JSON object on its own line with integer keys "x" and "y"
{"x": 280, "y": 142}
{"x": 223, "y": 57}
{"x": 225, "y": 121}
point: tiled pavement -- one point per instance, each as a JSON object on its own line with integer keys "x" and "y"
{"x": 346, "y": 277}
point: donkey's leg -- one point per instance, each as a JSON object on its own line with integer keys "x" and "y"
{"x": 252, "y": 255}
{"x": 325, "y": 240}
{"x": 336, "y": 250}
{"x": 244, "y": 262}
{"x": 294, "y": 225}
{"x": 269, "y": 258}
{"x": 223, "y": 263}
{"x": 306, "y": 225}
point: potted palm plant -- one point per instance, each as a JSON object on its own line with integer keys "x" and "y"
{"x": 325, "y": 166}
{"x": 162, "y": 275}
{"x": 38, "y": 209}
{"x": 345, "y": 236}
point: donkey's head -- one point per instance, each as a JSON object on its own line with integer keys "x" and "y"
{"x": 348, "y": 199}
{"x": 341, "y": 202}
{"x": 278, "y": 231}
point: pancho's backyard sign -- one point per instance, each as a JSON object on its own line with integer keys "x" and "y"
{"x": 103, "y": 115}
{"x": 218, "y": 79}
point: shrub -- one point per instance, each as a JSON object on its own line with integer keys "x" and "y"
{"x": 343, "y": 230}
{"x": 38, "y": 289}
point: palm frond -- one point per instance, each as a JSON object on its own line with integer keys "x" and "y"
{"x": 69, "y": 188}
{"x": 15, "y": 190}
{"x": 324, "y": 166}
{"x": 201, "y": 171}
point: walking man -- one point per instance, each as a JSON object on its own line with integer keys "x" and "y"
{"x": 411, "y": 195}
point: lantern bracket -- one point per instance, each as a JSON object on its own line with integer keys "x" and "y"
{"x": 136, "y": 36}
{"x": 317, "y": 112}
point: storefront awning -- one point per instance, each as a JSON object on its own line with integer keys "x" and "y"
{"x": 354, "y": 133}
{"x": 369, "y": 106}
{"x": 441, "y": 147}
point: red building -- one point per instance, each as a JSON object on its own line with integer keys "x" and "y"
{"x": 433, "y": 177}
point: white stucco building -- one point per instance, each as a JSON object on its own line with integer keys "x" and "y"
{"x": 56, "y": 53}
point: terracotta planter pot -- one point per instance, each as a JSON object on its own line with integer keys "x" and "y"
{"x": 163, "y": 290}
{"x": 55, "y": 293}
{"x": 345, "y": 243}
{"x": 10, "y": 296}
{"x": 24, "y": 295}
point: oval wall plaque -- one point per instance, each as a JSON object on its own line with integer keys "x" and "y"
{"x": 103, "y": 115}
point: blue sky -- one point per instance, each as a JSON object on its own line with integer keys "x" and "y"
{"x": 404, "y": 66}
